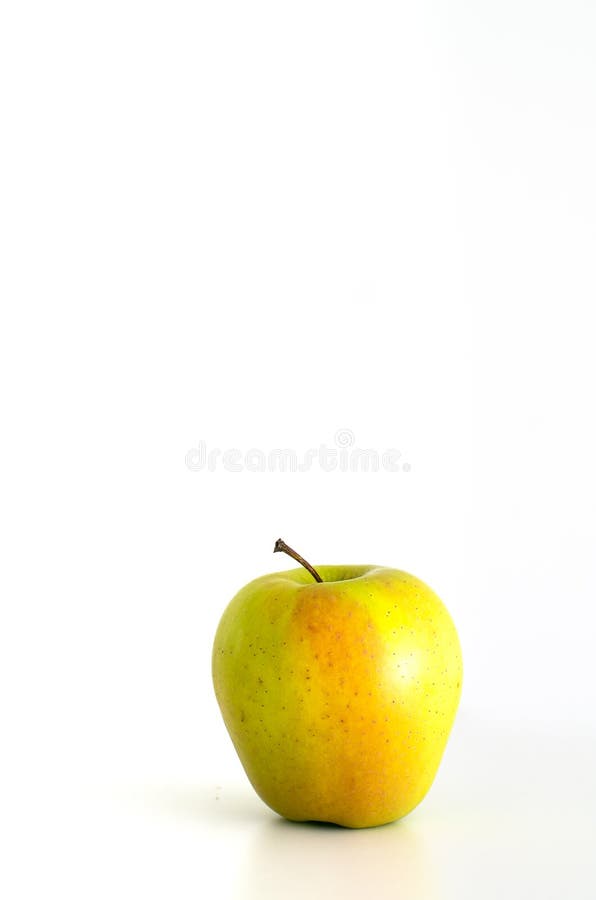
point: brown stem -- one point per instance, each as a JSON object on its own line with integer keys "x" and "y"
{"x": 282, "y": 547}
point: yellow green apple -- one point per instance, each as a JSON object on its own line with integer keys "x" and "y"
{"x": 338, "y": 686}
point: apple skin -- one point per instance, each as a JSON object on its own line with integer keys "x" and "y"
{"x": 338, "y": 696}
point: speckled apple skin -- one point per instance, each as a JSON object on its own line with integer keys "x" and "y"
{"x": 340, "y": 696}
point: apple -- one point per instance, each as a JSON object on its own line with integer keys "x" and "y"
{"x": 338, "y": 686}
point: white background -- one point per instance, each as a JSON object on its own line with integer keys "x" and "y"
{"x": 255, "y": 225}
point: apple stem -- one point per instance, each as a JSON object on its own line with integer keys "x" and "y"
{"x": 282, "y": 547}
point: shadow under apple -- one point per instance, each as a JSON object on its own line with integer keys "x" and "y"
{"x": 297, "y": 860}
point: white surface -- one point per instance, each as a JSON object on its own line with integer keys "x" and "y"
{"x": 263, "y": 226}
{"x": 511, "y": 814}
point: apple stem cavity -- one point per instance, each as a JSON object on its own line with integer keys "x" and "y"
{"x": 282, "y": 547}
